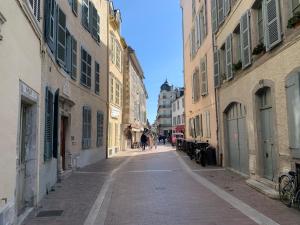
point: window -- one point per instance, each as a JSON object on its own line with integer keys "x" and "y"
{"x": 178, "y": 120}
{"x": 260, "y": 26}
{"x": 222, "y": 62}
{"x": 196, "y": 86}
{"x": 111, "y": 90}
{"x": 49, "y": 120}
{"x": 35, "y": 7}
{"x": 112, "y": 48}
{"x": 174, "y": 121}
{"x": 228, "y": 57}
{"x": 214, "y": 16}
{"x": 220, "y": 11}
{"x": 71, "y": 55}
{"x": 236, "y": 46}
{"x": 245, "y": 40}
{"x": 86, "y": 127}
{"x": 207, "y": 132}
{"x": 85, "y": 13}
{"x": 117, "y": 93}
{"x": 61, "y": 37}
{"x": 97, "y": 78}
{"x": 203, "y": 71}
{"x": 178, "y": 105}
{"x": 86, "y": 65}
{"x": 50, "y": 16}
{"x": 174, "y": 107}
{"x": 295, "y": 6}
{"x": 74, "y": 5}
{"x": 90, "y": 19}
{"x": 118, "y": 57}
{"x": 100, "y": 127}
{"x": 198, "y": 125}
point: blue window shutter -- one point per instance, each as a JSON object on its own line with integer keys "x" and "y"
{"x": 214, "y": 17}
{"x": 61, "y": 37}
{"x": 48, "y": 140}
{"x": 272, "y": 23}
{"x": 228, "y": 57}
{"x": 245, "y": 40}
{"x": 50, "y": 24}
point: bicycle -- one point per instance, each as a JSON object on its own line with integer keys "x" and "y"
{"x": 289, "y": 190}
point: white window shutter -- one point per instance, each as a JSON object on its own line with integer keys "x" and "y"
{"x": 203, "y": 70}
{"x": 228, "y": 57}
{"x": 220, "y": 11}
{"x": 214, "y": 16}
{"x": 272, "y": 23}
{"x": 227, "y": 7}
{"x": 245, "y": 40}
{"x": 216, "y": 68}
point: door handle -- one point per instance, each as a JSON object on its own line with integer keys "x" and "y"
{"x": 267, "y": 155}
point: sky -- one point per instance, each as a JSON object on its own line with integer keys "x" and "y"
{"x": 153, "y": 29}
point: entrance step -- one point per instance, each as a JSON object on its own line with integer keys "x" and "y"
{"x": 263, "y": 188}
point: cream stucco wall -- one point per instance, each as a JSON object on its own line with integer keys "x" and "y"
{"x": 20, "y": 61}
{"x": 206, "y": 103}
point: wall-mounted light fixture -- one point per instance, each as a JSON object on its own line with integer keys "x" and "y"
{"x": 2, "y": 21}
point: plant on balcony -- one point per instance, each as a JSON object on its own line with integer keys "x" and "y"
{"x": 260, "y": 48}
{"x": 237, "y": 66}
{"x": 294, "y": 21}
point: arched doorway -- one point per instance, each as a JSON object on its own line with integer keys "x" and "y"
{"x": 237, "y": 138}
{"x": 265, "y": 111}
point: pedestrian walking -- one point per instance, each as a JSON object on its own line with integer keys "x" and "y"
{"x": 143, "y": 141}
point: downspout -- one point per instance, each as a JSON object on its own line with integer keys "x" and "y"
{"x": 107, "y": 82}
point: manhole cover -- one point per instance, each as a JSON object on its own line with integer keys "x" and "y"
{"x": 50, "y": 213}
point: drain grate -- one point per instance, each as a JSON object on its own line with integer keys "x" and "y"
{"x": 50, "y": 213}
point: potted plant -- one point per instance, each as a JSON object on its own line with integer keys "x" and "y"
{"x": 294, "y": 21}
{"x": 260, "y": 48}
{"x": 237, "y": 66}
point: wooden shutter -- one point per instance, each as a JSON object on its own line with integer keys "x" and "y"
{"x": 86, "y": 127}
{"x": 97, "y": 77}
{"x": 272, "y": 23}
{"x": 89, "y": 70}
{"x": 55, "y": 123}
{"x": 61, "y": 37}
{"x": 203, "y": 72}
{"x": 68, "y": 52}
{"x": 216, "y": 68}
{"x": 228, "y": 52}
{"x": 98, "y": 28}
{"x": 214, "y": 16}
{"x": 74, "y": 59}
{"x": 37, "y": 9}
{"x": 75, "y": 7}
{"x": 220, "y": 11}
{"x": 89, "y": 122}
{"x": 245, "y": 40}
{"x": 293, "y": 109}
{"x": 50, "y": 24}
{"x": 48, "y": 140}
{"x": 227, "y": 7}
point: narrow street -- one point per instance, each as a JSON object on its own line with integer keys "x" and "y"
{"x": 159, "y": 187}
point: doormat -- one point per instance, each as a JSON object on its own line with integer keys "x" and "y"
{"x": 50, "y": 213}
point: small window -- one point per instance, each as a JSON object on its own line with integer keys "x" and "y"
{"x": 86, "y": 65}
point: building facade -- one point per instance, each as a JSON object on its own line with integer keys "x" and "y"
{"x": 200, "y": 100}
{"x": 178, "y": 113}
{"x": 115, "y": 81}
{"x": 256, "y": 74}
{"x": 164, "y": 112}
{"x": 134, "y": 99}
{"x": 74, "y": 88}
{"x": 20, "y": 97}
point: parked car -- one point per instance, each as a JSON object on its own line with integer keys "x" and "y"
{"x": 175, "y": 137}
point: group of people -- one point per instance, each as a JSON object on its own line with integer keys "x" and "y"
{"x": 148, "y": 139}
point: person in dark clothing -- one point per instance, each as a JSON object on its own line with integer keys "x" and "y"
{"x": 144, "y": 141}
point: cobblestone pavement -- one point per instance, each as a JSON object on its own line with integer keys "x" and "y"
{"x": 160, "y": 187}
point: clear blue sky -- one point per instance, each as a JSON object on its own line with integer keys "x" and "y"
{"x": 153, "y": 29}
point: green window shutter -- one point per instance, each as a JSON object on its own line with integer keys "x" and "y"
{"x": 220, "y": 11}
{"x": 216, "y": 68}
{"x": 214, "y": 15}
{"x": 293, "y": 109}
{"x": 203, "y": 71}
{"x": 228, "y": 52}
{"x": 204, "y": 18}
{"x": 74, "y": 59}
{"x": 85, "y": 14}
{"x": 245, "y": 40}
{"x": 227, "y": 7}
{"x": 272, "y": 23}
{"x": 50, "y": 24}
{"x": 97, "y": 78}
{"x": 75, "y": 7}
{"x": 48, "y": 140}
{"x": 61, "y": 38}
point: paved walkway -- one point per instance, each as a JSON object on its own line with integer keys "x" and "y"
{"x": 159, "y": 187}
